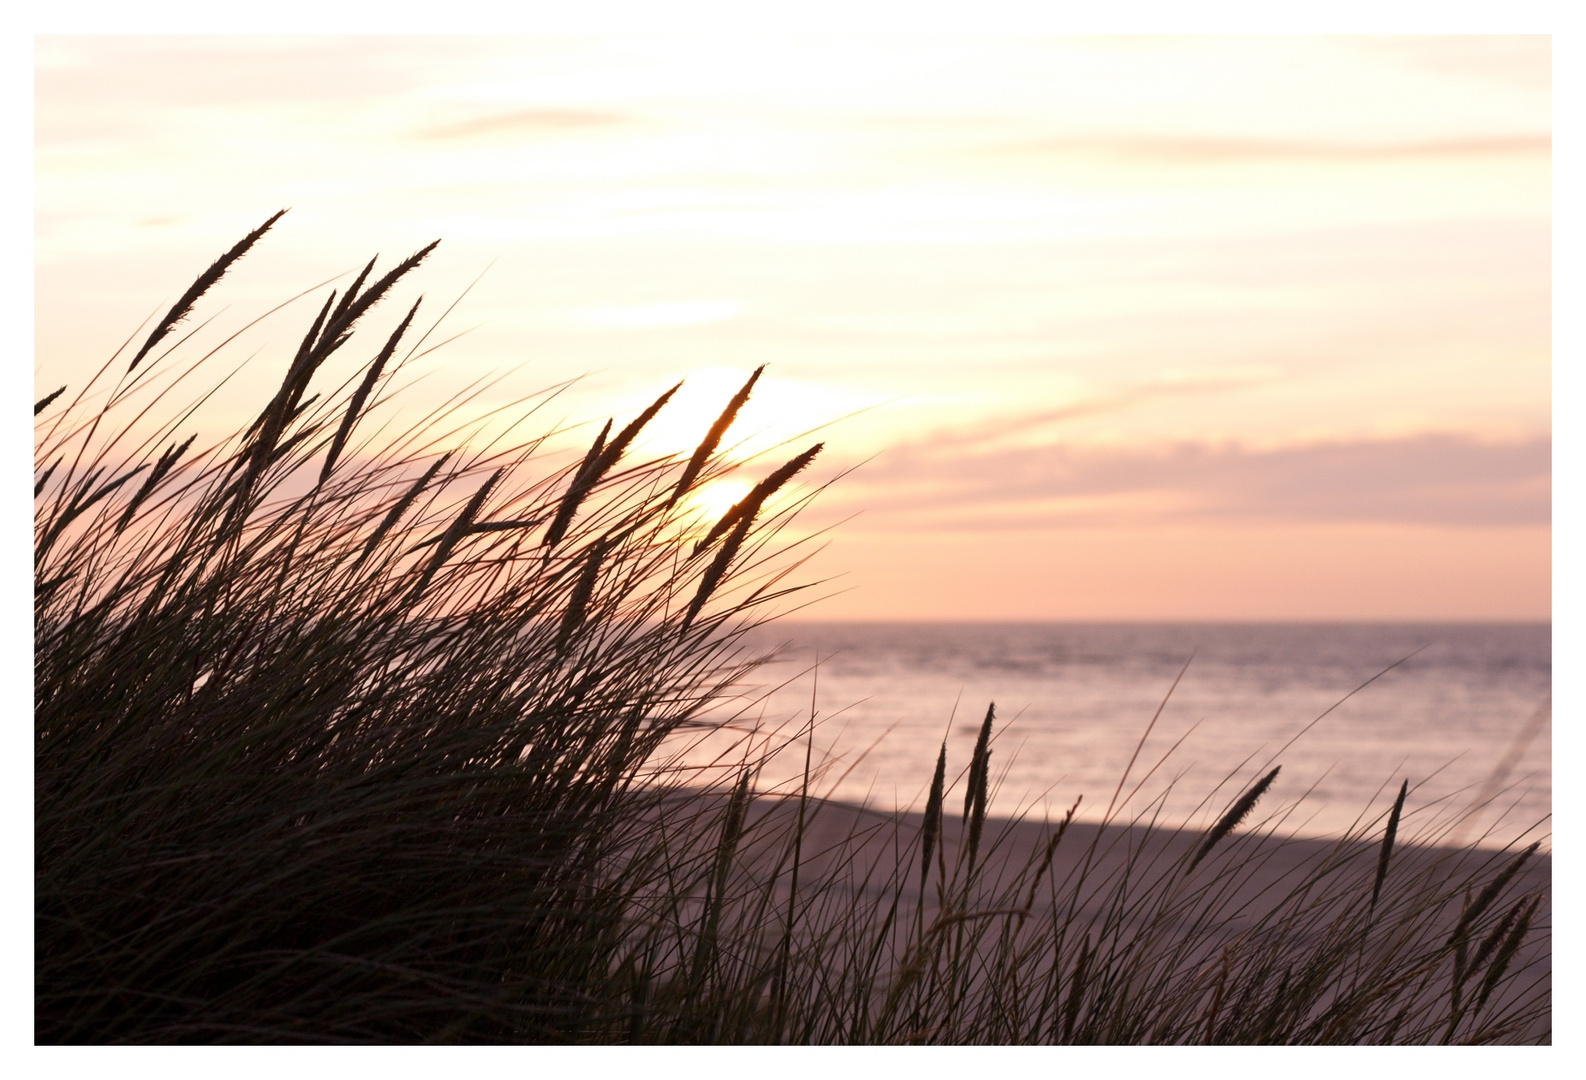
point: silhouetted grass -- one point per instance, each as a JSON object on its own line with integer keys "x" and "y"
{"x": 335, "y": 740}
{"x": 1082, "y": 933}
{"x": 346, "y": 738}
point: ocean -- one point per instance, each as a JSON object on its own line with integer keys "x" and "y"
{"x": 1460, "y": 710}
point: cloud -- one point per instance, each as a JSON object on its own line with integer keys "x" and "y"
{"x": 525, "y": 122}
{"x": 1522, "y": 62}
{"x": 1164, "y": 388}
{"x": 1433, "y": 479}
{"x": 159, "y": 71}
{"x": 1201, "y": 150}
{"x": 677, "y": 313}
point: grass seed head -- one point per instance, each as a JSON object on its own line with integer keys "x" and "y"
{"x": 1236, "y": 813}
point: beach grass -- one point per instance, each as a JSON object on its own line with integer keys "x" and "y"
{"x": 351, "y": 732}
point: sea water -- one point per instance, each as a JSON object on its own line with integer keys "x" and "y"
{"x": 1348, "y": 710}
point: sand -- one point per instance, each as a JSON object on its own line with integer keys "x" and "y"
{"x": 1253, "y": 873}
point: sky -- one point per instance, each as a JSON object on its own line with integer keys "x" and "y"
{"x": 1092, "y": 328}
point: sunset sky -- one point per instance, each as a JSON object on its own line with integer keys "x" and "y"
{"x": 1111, "y": 328}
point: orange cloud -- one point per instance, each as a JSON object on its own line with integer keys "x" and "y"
{"x": 1433, "y": 479}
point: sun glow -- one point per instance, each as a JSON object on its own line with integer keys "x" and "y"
{"x": 779, "y": 409}
{"x": 683, "y": 422}
{"x": 715, "y": 499}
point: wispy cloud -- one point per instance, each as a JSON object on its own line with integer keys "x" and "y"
{"x": 677, "y": 313}
{"x": 524, "y": 122}
{"x": 999, "y": 429}
{"x": 1423, "y": 479}
{"x": 1202, "y": 150}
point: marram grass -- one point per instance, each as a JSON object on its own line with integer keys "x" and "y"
{"x": 341, "y": 736}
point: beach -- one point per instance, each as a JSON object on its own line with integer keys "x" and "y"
{"x": 1255, "y": 891}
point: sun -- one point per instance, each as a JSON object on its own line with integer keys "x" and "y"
{"x": 714, "y": 499}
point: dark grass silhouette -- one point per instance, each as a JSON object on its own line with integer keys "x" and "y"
{"x": 335, "y": 742}
{"x": 339, "y": 737}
